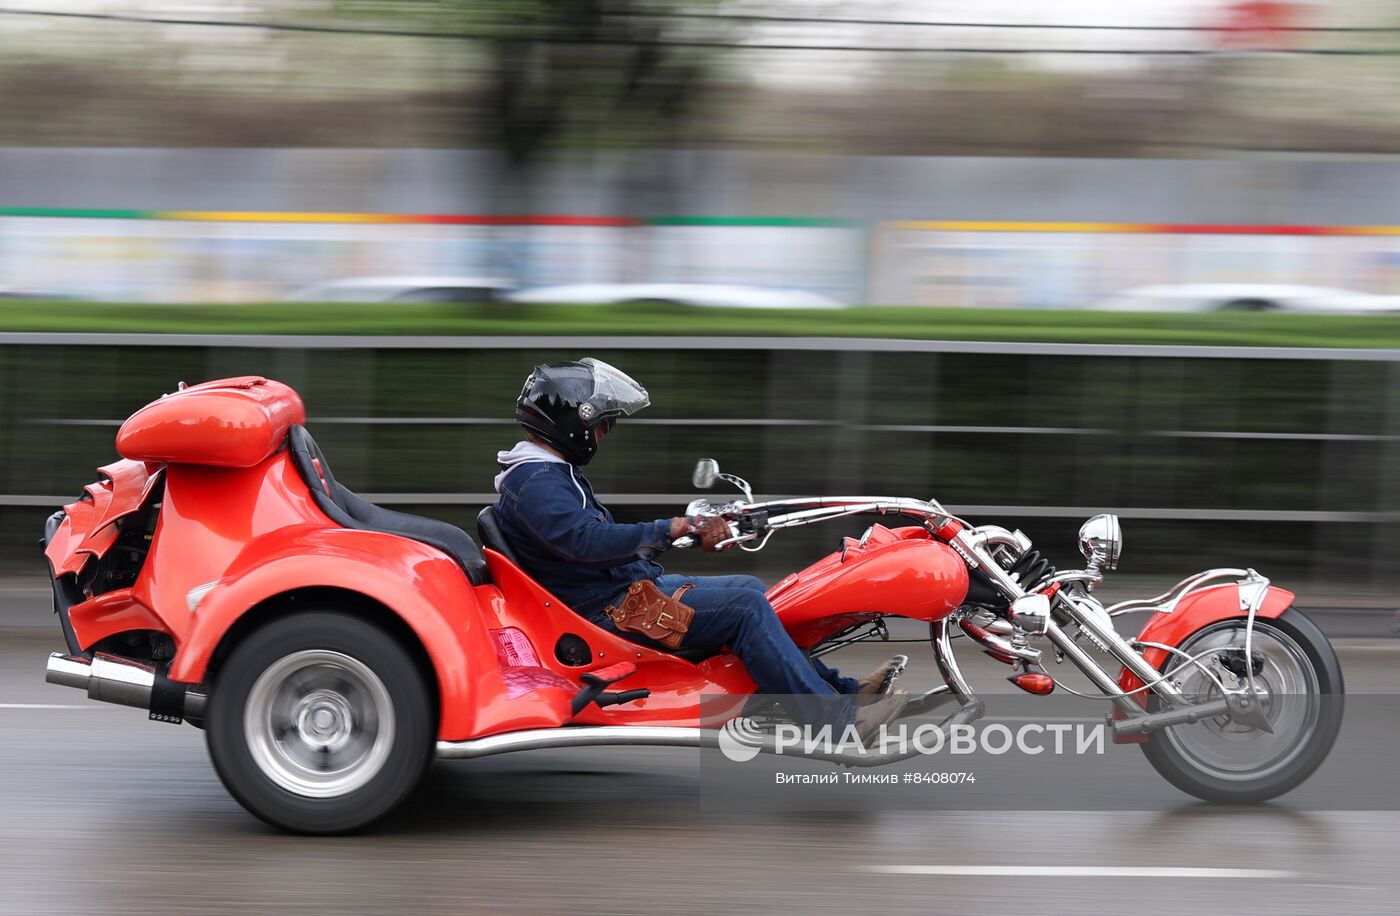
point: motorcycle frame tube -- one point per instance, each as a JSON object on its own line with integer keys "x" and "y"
{"x": 1127, "y": 656}
{"x": 1092, "y": 669}
{"x": 947, "y": 661}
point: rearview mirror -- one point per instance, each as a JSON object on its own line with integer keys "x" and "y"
{"x": 706, "y": 471}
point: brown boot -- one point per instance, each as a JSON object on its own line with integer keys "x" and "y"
{"x": 878, "y": 682}
{"x": 882, "y": 712}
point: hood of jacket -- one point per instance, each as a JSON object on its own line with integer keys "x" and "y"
{"x": 522, "y": 453}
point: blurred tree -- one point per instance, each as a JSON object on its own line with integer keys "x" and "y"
{"x": 561, "y": 72}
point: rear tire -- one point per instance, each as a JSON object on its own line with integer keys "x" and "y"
{"x": 1262, "y": 767}
{"x": 320, "y": 723}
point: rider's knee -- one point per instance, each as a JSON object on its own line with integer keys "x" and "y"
{"x": 754, "y": 607}
{"x": 753, "y": 583}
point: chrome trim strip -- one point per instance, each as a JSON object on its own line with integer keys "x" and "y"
{"x": 668, "y": 736}
{"x": 576, "y": 736}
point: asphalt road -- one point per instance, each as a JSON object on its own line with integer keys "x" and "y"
{"x": 102, "y": 811}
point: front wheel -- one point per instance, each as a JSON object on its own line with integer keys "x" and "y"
{"x": 320, "y": 723}
{"x": 1299, "y": 682}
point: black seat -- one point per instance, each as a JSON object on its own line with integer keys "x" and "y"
{"x": 350, "y": 511}
{"x": 490, "y": 533}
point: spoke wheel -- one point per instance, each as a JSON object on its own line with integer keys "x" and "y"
{"x": 1298, "y": 683}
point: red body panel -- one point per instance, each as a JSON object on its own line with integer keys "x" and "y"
{"x": 235, "y": 422}
{"x": 676, "y": 685}
{"x": 113, "y": 612}
{"x": 87, "y": 529}
{"x": 902, "y": 571}
{"x": 1200, "y": 609}
{"x": 423, "y": 586}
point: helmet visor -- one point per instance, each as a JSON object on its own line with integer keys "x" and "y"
{"x": 615, "y": 393}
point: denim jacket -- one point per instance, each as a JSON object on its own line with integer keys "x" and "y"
{"x": 566, "y": 540}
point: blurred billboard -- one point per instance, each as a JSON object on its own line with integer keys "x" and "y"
{"x": 241, "y": 225}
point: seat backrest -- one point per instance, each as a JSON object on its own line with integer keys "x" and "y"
{"x": 348, "y": 510}
{"x": 489, "y": 530}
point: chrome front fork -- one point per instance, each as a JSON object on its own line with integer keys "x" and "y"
{"x": 1098, "y": 626}
{"x": 947, "y": 662}
{"x": 1095, "y": 623}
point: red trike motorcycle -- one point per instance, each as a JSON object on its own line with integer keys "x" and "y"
{"x": 220, "y": 575}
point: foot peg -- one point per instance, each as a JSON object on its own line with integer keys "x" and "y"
{"x": 597, "y": 682}
{"x": 897, "y": 666}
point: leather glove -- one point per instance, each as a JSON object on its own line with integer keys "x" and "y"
{"x": 708, "y": 530}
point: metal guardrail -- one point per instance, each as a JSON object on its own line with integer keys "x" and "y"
{"x": 823, "y": 344}
{"x": 720, "y": 343}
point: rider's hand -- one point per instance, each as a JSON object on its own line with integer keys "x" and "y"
{"x": 711, "y": 531}
{"x": 708, "y": 530}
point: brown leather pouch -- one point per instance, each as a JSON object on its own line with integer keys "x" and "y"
{"x": 647, "y": 610}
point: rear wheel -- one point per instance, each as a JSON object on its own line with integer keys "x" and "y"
{"x": 320, "y": 723}
{"x": 1299, "y": 683}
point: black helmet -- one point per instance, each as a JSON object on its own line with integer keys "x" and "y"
{"x": 563, "y": 403}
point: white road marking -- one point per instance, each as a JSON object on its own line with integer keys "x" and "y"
{"x": 50, "y": 706}
{"x": 1077, "y": 871}
{"x": 1039, "y": 720}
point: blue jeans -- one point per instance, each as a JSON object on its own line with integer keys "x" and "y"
{"x": 732, "y": 611}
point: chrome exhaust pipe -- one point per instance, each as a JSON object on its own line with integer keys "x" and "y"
{"x": 68, "y": 672}
{"x": 125, "y": 682}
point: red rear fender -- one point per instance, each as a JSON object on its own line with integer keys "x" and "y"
{"x": 427, "y": 590}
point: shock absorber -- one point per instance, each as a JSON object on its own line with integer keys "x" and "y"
{"x": 1032, "y": 570}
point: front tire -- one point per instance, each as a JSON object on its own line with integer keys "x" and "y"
{"x": 320, "y": 723}
{"x": 1301, "y": 681}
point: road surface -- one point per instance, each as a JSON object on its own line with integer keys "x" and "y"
{"x": 104, "y": 812}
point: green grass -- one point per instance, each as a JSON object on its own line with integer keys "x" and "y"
{"x": 1282, "y": 330}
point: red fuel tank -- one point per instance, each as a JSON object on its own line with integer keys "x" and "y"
{"x": 903, "y": 572}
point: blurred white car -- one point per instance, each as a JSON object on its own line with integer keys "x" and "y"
{"x": 7, "y": 292}
{"x": 698, "y": 294}
{"x": 405, "y": 289}
{"x": 1247, "y": 297}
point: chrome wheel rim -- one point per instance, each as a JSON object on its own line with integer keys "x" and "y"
{"x": 319, "y": 724}
{"x": 1286, "y": 686}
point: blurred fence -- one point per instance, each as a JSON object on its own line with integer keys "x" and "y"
{"x": 1284, "y": 460}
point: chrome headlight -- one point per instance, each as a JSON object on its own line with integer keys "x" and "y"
{"x": 1101, "y": 541}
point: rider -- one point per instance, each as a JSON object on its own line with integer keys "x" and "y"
{"x": 569, "y": 542}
